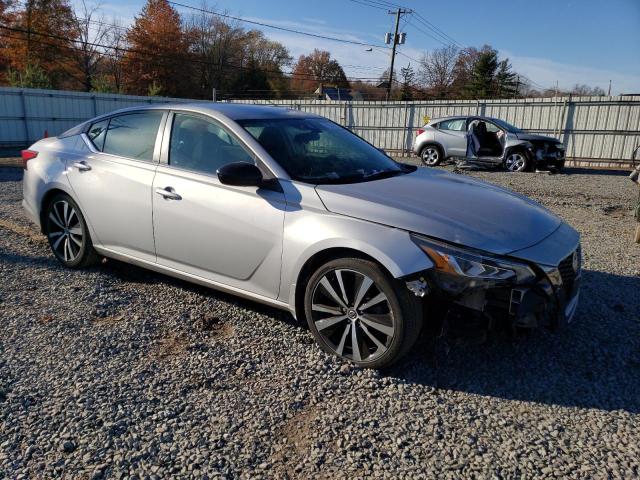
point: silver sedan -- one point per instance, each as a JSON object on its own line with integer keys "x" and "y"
{"x": 295, "y": 211}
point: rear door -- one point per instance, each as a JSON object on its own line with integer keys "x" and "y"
{"x": 113, "y": 183}
{"x": 451, "y": 134}
{"x": 226, "y": 234}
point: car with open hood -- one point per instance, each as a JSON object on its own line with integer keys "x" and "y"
{"x": 293, "y": 210}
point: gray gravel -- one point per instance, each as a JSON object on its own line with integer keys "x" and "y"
{"x": 117, "y": 372}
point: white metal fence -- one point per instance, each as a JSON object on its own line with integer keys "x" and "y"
{"x": 592, "y": 128}
{"x": 26, "y": 114}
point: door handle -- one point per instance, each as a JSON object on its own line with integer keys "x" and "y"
{"x": 168, "y": 193}
{"x": 82, "y": 166}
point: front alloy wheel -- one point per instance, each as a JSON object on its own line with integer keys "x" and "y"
{"x": 431, "y": 156}
{"x": 356, "y": 312}
{"x": 516, "y": 162}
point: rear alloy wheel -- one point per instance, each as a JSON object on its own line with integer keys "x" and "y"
{"x": 516, "y": 162}
{"x": 356, "y": 312}
{"x": 67, "y": 233}
{"x": 431, "y": 156}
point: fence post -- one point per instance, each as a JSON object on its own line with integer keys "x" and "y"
{"x": 23, "y": 103}
{"x": 406, "y": 127}
{"x": 95, "y": 106}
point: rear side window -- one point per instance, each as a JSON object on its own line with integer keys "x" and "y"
{"x": 133, "y": 135}
{"x": 97, "y": 132}
{"x": 457, "y": 124}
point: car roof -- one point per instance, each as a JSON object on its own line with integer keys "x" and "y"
{"x": 234, "y": 111}
{"x": 454, "y": 117}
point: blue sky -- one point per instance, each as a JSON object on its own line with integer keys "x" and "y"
{"x": 575, "y": 41}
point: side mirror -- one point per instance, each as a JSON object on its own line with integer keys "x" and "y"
{"x": 240, "y": 174}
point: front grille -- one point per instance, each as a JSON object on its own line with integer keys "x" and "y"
{"x": 567, "y": 271}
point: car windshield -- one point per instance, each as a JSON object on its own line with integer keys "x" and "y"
{"x": 506, "y": 126}
{"x": 316, "y": 150}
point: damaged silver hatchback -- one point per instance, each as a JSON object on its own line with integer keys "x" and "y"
{"x": 295, "y": 211}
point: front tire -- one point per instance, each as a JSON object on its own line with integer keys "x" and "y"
{"x": 67, "y": 233}
{"x": 431, "y": 156}
{"x": 517, "y": 161}
{"x": 357, "y": 312}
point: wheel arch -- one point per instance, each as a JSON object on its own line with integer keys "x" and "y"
{"x": 525, "y": 148}
{"x": 318, "y": 259}
{"x": 46, "y": 199}
{"x": 434, "y": 143}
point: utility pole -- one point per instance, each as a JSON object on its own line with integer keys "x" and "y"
{"x": 609, "y": 94}
{"x": 398, "y": 13}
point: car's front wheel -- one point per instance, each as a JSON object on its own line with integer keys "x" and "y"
{"x": 516, "y": 162}
{"x": 357, "y": 312}
{"x": 67, "y": 232}
{"x": 431, "y": 156}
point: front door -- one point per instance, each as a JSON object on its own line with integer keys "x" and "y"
{"x": 225, "y": 234}
{"x": 113, "y": 182}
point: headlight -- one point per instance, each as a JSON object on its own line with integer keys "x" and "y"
{"x": 459, "y": 264}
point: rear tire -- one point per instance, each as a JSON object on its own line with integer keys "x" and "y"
{"x": 357, "y": 312}
{"x": 67, "y": 232}
{"x": 431, "y": 155}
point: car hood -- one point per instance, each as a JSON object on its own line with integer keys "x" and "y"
{"x": 450, "y": 207}
{"x": 534, "y": 137}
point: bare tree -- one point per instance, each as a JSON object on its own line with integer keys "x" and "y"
{"x": 437, "y": 70}
{"x": 93, "y": 33}
{"x": 113, "y": 62}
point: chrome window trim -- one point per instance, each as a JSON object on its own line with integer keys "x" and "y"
{"x": 156, "y": 147}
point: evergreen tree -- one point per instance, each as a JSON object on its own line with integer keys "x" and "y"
{"x": 408, "y": 81}
{"x": 482, "y": 84}
{"x": 505, "y": 80}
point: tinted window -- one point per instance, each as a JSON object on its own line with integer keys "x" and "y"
{"x": 316, "y": 150}
{"x": 203, "y": 146}
{"x": 133, "y": 135}
{"x": 97, "y": 132}
{"x": 457, "y": 124}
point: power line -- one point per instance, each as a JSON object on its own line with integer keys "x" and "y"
{"x": 149, "y": 54}
{"x": 428, "y": 34}
{"x": 439, "y": 31}
{"x": 275, "y": 27}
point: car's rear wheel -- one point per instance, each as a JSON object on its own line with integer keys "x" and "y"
{"x": 516, "y": 162}
{"x": 67, "y": 232}
{"x": 431, "y": 156}
{"x": 357, "y": 312}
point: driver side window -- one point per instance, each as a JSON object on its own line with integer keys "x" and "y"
{"x": 203, "y": 146}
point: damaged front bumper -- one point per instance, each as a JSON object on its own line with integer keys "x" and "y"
{"x": 533, "y": 296}
{"x": 548, "y": 155}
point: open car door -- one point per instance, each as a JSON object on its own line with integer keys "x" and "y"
{"x": 485, "y": 143}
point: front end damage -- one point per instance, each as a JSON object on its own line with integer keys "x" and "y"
{"x": 547, "y": 154}
{"x": 468, "y": 291}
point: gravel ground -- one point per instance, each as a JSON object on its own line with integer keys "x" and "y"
{"x": 117, "y": 372}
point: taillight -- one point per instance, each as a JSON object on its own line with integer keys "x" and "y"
{"x": 420, "y": 131}
{"x": 26, "y": 156}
